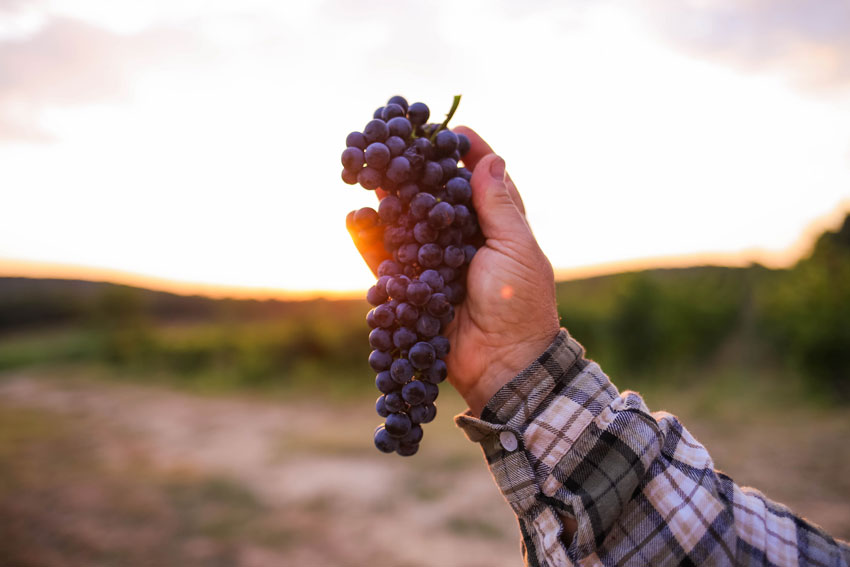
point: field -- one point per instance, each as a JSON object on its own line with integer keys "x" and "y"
{"x": 140, "y": 428}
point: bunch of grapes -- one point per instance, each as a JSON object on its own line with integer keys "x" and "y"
{"x": 426, "y": 224}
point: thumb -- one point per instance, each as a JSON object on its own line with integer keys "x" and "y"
{"x": 498, "y": 214}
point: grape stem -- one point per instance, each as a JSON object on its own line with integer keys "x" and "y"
{"x": 455, "y": 104}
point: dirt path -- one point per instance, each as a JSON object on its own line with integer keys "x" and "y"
{"x": 323, "y": 496}
{"x": 308, "y": 466}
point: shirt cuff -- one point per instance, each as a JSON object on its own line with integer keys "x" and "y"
{"x": 503, "y": 423}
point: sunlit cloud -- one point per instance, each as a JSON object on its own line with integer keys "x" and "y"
{"x": 810, "y": 42}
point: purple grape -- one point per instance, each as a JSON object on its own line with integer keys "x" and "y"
{"x": 462, "y": 216}
{"x": 435, "y": 373}
{"x": 407, "y": 449}
{"x": 377, "y": 155}
{"x": 396, "y": 146}
{"x": 469, "y": 252}
{"x": 439, "y": 305}
{"x": 388, "y": 268}
{"x": 399, "y": 169}
{"x": 407, "y": 315}
{"x": 428, "y": 326}
{"x": 431, "y": 392}
{"x": 458, "y": 190}
{"x": 423, "y": 147}
{"x": 407, "y": 191}
{"x": 465, "y": 173}
{"x": 401, "y": 370}
{"x": 454, "y": 257}
{"x": 398, "y": 424}
{"x": 389, "y": 209}
{"x": 421, "y": 204}
{"x": 376, "y": 131}
{"x": 441, "y": 346}
{"x": 370, "y": 178}
{"x": 413, "y": 436}
{"x": 394, "y": 402}
{"x": 422, "y": 355}
{"x": 385, "y": 383}
{"x": 391, "y": 111}
{"x": 380, "y": 339}
{"x": 404, "y": 338}
{"x": 397, "y": 287}
{"x": 417, "y": 414}
{"x": 349, "y": 176}
{"x": 418, "y": 292}
{"x": 399, "y": 100}
{"x": 381, "y": 406}
{"x": 385, "y": 442}
{"x": 449, "y": 167}
{"x": 424, "y": 232}
{"x": 408, "y": 253}
{"x": 431, "y": 413}
{"x": 413, "y": 392}
{"x": 352, "y": 158}
{"x": 463, "y": 144}
{"x": 430, "y": 255}
{"x": 432, "y": 174}
{"x": 380, "y": 360}
{"x": 378, "y": 113}
{"x": 448, "y": 274}
{"x": 384, "y": 316}
{"x": 446, "y": 142}
{"x": 375, "y": 296}
{"x": 433, "y": 279}
{"x": 418, "y": 113}
{"x": 441, "y": 215}
{"x": 356, "y": 140}
{"x": 400, "y": 126}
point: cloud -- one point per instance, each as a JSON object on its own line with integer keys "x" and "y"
{"x": 810, "y": 42}
{"x": 69, "y": 62}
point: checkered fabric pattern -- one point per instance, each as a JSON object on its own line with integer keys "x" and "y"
{"x": 641, "y": 489}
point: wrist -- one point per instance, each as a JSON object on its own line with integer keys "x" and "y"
{"x": 505, "y": 367}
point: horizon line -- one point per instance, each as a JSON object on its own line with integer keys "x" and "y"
{"x": 17, "y": 267}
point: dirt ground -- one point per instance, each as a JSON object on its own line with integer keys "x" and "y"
{"x": 125, "y": 475}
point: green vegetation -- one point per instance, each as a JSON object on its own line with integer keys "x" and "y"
{"x": 647, "y": 328}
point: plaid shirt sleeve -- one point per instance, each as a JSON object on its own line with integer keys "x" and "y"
{"x": 562, "y": 442}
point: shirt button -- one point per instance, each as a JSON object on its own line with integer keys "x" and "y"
{"x": 508, "y": 440}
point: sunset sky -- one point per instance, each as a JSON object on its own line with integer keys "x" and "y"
{"x": 199, "y": 142}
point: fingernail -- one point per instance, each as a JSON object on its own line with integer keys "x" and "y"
{"x": 497, "y": 169}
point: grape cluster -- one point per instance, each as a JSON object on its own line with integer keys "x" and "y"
{"x": 428, "y": 232}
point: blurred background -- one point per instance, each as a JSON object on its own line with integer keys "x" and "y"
{"x": 183, "y": 375}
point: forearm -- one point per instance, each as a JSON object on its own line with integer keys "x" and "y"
{"x": 638, "y": 486}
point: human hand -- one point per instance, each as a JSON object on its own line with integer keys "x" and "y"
{"x": 509, "y": 315}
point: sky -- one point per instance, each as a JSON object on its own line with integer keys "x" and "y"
{"x": 195, "y": 145}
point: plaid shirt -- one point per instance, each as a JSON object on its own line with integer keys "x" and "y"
{"x": 561, "y": 441}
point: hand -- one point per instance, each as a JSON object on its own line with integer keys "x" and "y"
{"x": 509, "y": 316}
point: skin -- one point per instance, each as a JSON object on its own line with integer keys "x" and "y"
{"x": 509, "y": 316}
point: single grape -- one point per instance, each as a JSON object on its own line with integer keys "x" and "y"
{"x": 431, "y": 413}
{"x": 394, "y": 402}
{"x": 388, "y": 268}
{"x": 418, "y": 292}
{"x": 449, "y": 167}
{"x": 462, "y": 215}
{"x": 463, "y": 144}
{"x": 403, "y": 337}
{"x": 378, "y": 113}
{"x": 438, "y": 305}
{"x": 398, "y": 169}
{"x": 397, "y": 287}
{"x": 464, "y": 173}
{"x": 401, "y": 370}
{"x": 433, "y": 279}
{"x": 446, "y": 142}
{"x": 408, "y": 253}
{"x": 396, "y": 145}
{"x": 428, "y": 326}
{"x": 376, "y": 131}
{"x": 389, "y": 209}
{"x": 441, "y": 215}
{"x": 384, "y": 316}
{"x": 424, "y": 232}
{"x": 423, "y": 147}
{"x": 381, "y": 407}
{"x": 458, "y": 190}
{"x": 407, "y": 449}
{"x": 370, "y": 178}
{"x": 432, "y": 391}
{"x": 352, "y": 158}
{"x": 398, "y": 424}
{"x": 367, "y": 217}
{"x": 453, "y": 256}
{"x": 349, "y": 176}
{"x": 430, "y": 255}
{"x": 381, "y": 339}
{"x": 448, "y": 274}
{"x": 469, "y": 252}
{"x": 407, "y": 315}
{"x": 356, "y": 140}
{"x": 377, "y": 155}
{"x": 385, "y": 383}
{"x": 435, "y": 373}
{"x": 380, "y": 360}
{"x": 418, "y": 113}
{"x": 400, "y": 126}
{"x": 413, "y": 392}
{"x": 406, "y": 192}
{"x": 422, "y": 355}
{"x": 432, "y": 174}
{"x": 385, "y": 442}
